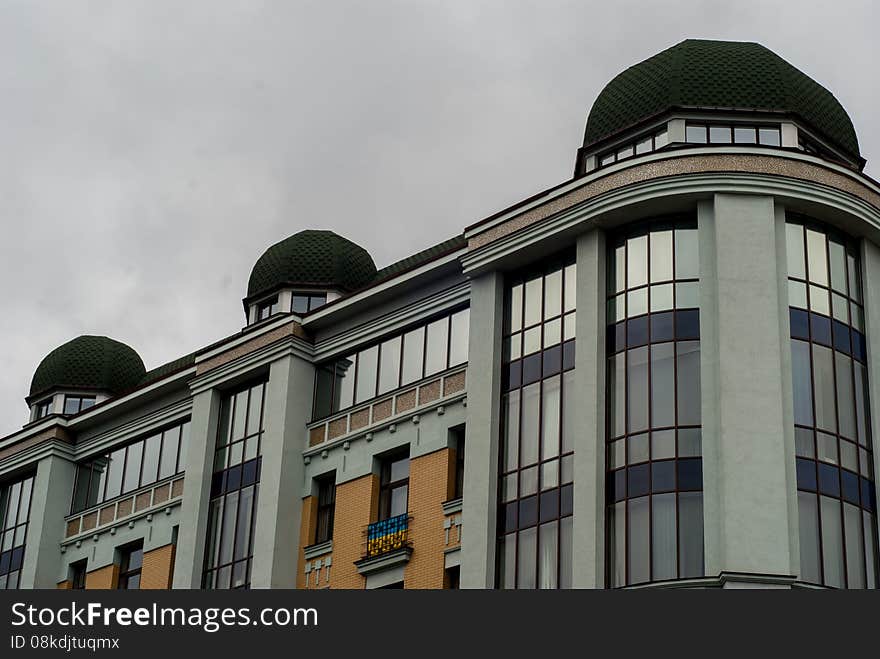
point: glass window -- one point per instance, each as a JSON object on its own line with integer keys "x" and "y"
{"x": 769, "y": 136}
{"x": 644, "y": 146}
{"x": 830, "y": 412}
{"x": 720, "y": 135}
{"x": 150, "y": 465}
{"x": 458, "y": 337}
{"x": 661, "y": 139}
{"x": 368, "y": 368}
{"x": 267, "y": 308}
{"x": 394, "y": 486}
{"x": 343, "y": 389}
{"x": 130, "y": 564}
{"x": 300, "y": 303}
{"x": 745, "y": 135}
{"x": 389, "y": 365}
{"x": 234, "y": 493}
{"x": 696, "y": 134}
{"x": 413, "y": 355}
{"x": 538, "y": 432}
{"x": 436, "y": 351}
{"x": 326, "y": 508}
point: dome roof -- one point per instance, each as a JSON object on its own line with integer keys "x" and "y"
{"x": 312, "y": 258}
{"x": 718, "y": 75}
{"x": 89, "y": 362}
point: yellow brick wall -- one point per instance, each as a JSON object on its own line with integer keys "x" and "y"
{"x": 306, "y": 535}
{"x": 64, "y": 585}
{"x": 428, "y": 489}
{"x": 105, "y": 578}
{"x": 158, "y": 568}
{"x": 357, "y": 504}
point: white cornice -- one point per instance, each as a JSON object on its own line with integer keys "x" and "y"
{"x": 685, "y": 151}
{"x": 584, "y": 213}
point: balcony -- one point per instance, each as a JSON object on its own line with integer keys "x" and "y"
{"x": 387, "y": 544}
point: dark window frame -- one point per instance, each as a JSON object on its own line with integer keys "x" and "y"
{"x": 314, "y": 300}
{"x": 612, "y": 155}
{"x": 732, "y": 127}
{"x": 78, "y": 571}
{"x": 44, "y": 408}
{"x": 267, "y": 308}
{"x": 126, "y": 570}
{"x": 80, "y": 400}
{"x": 387, "y": 487}
{"x": 325, "y": 511}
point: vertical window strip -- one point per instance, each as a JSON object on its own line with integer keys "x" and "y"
{"x": 536, "y": 456}
{"x": 835, "y": 480}
{"x": 15, "y": 511}
{"x": 654, "y": 481}
{"x": 235, "y": 489}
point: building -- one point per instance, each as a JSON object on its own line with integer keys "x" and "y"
{"x": 658, "y": 372}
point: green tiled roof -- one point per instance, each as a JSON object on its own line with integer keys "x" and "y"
{"x": 167, "y": 369}
{"x": 718, "y": 75}
{"x": 312, "y": 258}
{"x": 89, "y": 362}
{"x": 420, "y": 258}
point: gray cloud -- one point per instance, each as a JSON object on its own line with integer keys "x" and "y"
{"x": 151, "y": 150}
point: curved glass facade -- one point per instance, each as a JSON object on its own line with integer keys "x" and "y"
{"x": 835, "y": 478}
{"x": 654, "y": 465}
{"x": 538, "y": 434}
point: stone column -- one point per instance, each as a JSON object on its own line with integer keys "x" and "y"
{"x": 50, "y": 502}
{"x": 279, "y": 505}
{"x": 746, "y": 479}
{"x": 481, "y": 448}
{"x": 190, "y": 555}
{"x": 588, "y": 569}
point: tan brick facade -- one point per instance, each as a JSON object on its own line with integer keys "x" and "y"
{"x": 308, "y": 521}
{"x": 357, "y": 504}
{"x": 158, "y": 568}
{"x": 64, "y": 585}
{"x": 105, "y": 578}
{"x": 428, "y": 489}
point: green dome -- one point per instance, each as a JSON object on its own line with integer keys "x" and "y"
{"x": 89, "y": 362}
{"x": 730, "y": 75}
{"x": 312, "y": 258}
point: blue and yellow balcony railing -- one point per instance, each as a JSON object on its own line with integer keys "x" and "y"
{"x": 387, "y": 535}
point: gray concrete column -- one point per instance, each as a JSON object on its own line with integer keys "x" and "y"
{"x": 279, "y": 505}
{"x": 50, "y": 503}
{"x": 588, "y": 570}
{"x": 483, "y": 426}
{"x": 749, "y": 428}
{"x": 190, "y": 553}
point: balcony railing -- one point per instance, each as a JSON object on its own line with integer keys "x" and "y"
{"x": 387, "y": 535}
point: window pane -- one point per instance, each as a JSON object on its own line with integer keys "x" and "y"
{"x": 625, "y": 152}
{"x": 133, "y": 467}
{"x": 413, "y": 351}
{"x": 832, "y": 542}
{"x": 719, "y": 134}
{"x": 637, "y": 389}
{"x": 639, "y": 540}
{"x": 661, "y": 297}
{"x": 458, "y": 341}
{"x": 855, "y": 557}
{"x": 794, "y": 248}
{"x": 663, "y": 537}
{"x": 437, "y": 348}
{"x": 323, "y": 390}
{"x": 547, "y": 565}
{"x": 229, "y": 514}
{"x": 816, "y": 259}
{"x": 846, "y": 409}
{"x": 389, "y": 365}
{"x": 661, "y": 256}
{"x": 769, "y": 136}
{"x": 619, "y": 278}
{"x": 637, "y": 261}
{"x": 688, "y": 377}
{"x": 526, "y": 558}
{"x": 531, "y": 406}
{"x": 570, "y": 287}
{"x": 368, "y": 364}
{"x": 690, "y": 532}
{"x": 300, "y": 304}
{"x": 255, "y": 404}
{"x": 687, "y": 254}
{"x": 514, "y": 320}
{"x": 533, "y": 301}
{"x": 695, "y": 134}
{"x": 661, "y": 139}
{"x": 168, "y": 465}
{"x": 510, "y": 407}
{"x": 550, "y": 418}
{"x": 151, "y": 459}
{"x": 644, "y": 146}
{"x": 802, "y": 383}
{"x": 618, "y": 544}
{"x": 184, "y": 446}
{"x": 744, "y": 135}
{"x": 662, "y": 385}
{"x": 569, "y": 424}
{"x": 80, "y": 494}
{"x": 837, "y": 256}
{"x": 71, "y": 405}
{"x": 553, "y": 294}
{"x": 808, "y": 516}
{"x": 823, "y": 388}
{"x": 343, "y": 391}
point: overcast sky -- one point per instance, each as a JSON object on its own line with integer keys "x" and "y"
{"x": 150, "y": 151}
